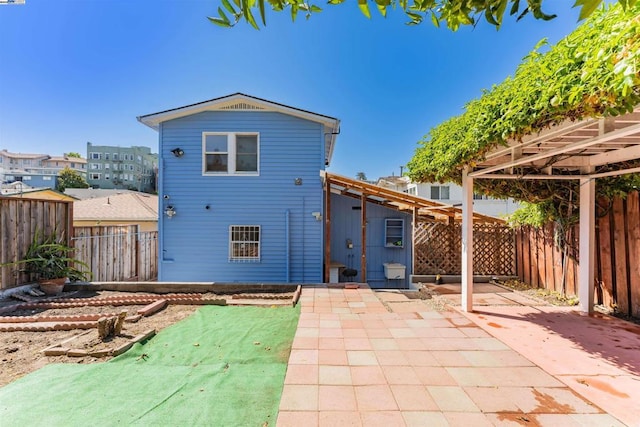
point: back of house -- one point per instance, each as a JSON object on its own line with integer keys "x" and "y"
{"x": 240, "y": 191}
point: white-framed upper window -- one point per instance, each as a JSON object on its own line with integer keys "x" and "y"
{"x": 96, "y": 156}
{"x": 228, "y": 153}
{"x": 115, "y": 156}
{"x": 94, "y": 176}
{"x": 439, "y": 192}
{"x": 244, "y": 243}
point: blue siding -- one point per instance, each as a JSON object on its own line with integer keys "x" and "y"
{"x": 345, "y": 224}
{"x": 195, "y": 242}
{"x": 39, "y": 181}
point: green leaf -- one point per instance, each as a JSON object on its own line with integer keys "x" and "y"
{"x": 228, "y": 6}
{"x": 315, "y": 8}
{"x": 223, "y": 15}
{"x": 249, "y": 17}
{"x": 382, "y": 8}
{"x": 262, "y": 14}
{"x": 515, "y": 7}
{"x": 219, "y": 22}
{"x": 588, "y": 7}
{"x": 364, "y": 8}
{"x": 435, "y": 20}
{"x": 489, "y": 17}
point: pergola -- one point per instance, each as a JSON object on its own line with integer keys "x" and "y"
{"x": 573, "y": 150}
{"x": 370, "y": 193}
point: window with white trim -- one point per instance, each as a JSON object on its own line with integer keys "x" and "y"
{"x": 95, "y": 176}
{"x": 439, "y": 192}
{"x": 96, "y": 156}
{"x": 95, "y": 166}
{"x": 244, "y": 243}
{"x": 226, "y": 153}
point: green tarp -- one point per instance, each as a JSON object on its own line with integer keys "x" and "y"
{"x": 221, "y": 366}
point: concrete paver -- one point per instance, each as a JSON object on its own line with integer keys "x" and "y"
{"x": 362, "y": 358}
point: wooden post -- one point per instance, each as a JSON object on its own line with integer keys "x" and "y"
{"x": 587, "y": 243}
{"x": 327, "y": 228}
{"x": 363, "y": 222}
{"x": 467, "y": 241}
{"x": 414, "y": 227}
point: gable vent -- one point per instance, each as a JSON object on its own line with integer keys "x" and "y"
{"x": 241, "y": 106}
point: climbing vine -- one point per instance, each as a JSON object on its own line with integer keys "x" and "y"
{"x": 593, "y": 72}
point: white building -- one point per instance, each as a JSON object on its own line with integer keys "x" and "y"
{"x": 450, "y": 194}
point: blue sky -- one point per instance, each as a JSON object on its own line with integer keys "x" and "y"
{"x": 76, "y": 71}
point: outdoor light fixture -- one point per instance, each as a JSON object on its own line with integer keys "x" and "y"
{"x": 178, "y": 152}
{"x": 170, "y": 211}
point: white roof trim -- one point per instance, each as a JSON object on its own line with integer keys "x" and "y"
{"x": 236, "y": 102}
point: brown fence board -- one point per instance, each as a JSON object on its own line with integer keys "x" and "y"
{"x": 633, "y": 225}
{"x": 526, "y": 254}
{"x": 620, "y": 248}
{"x": 605, "y": 278}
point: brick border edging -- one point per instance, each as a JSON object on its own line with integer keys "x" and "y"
{"x": 59, "y": 350}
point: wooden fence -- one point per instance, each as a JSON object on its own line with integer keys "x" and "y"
{"x": 114, "y": 253}
{"x": 118, "y": 252}
{"x": 438, "y": 248}
{"x": 20, "y": 220}
{"x": 541, "y": 263}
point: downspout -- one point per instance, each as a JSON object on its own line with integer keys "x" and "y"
{"x": 287, "y": 237}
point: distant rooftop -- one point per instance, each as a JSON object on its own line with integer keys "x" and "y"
{"x": 129, "y": 206}
{"x": 93, "y": 193}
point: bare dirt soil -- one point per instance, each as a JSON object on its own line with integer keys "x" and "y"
{"x": 21, "y": 352}
{"x": 551, "y": 297}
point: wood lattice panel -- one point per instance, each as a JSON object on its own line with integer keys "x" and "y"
{"x": 438, "y": 247}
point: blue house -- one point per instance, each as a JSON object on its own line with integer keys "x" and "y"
{"x": 244, "y": 197}
{"x": 241, "y": 198}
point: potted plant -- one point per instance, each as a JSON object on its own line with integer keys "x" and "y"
{"x": 50, "y": 260}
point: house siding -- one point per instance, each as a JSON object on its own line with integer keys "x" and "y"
{"x": 195, "y": 242}
{"x": 347, "y": 225}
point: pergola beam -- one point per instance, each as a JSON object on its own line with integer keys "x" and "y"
{"x": 561, "y": 150}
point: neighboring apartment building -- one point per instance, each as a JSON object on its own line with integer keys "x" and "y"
{"x": 132, "y": 168}
{"x": 449, "y": 193}
{"x": 37, "y": 170}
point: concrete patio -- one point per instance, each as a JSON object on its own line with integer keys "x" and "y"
{"x": 370, "y": 358}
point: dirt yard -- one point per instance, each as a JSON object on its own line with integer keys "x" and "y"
{"x": 21, "y": 352}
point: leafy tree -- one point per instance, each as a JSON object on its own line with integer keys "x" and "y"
{"x": 361, "y": 176}
{"x": 74, "y": 154}
{"x": 453, "y": 13}
{"x": 69, "y": 178}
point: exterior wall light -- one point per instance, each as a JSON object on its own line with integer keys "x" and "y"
{"x": 178, "y": 152}
{"x": 170, "y": 211}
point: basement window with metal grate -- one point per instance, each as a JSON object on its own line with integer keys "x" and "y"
{"x": 244, "y": 243}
